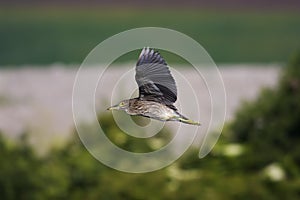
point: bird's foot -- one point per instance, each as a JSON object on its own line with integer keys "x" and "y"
{"x": 189, "y": 121}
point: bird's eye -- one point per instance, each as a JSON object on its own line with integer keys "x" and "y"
{"x": 122, "y": 104}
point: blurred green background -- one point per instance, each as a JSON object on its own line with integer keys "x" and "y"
{"x": 47, "y": 35}
{"x": 258, "y": 154}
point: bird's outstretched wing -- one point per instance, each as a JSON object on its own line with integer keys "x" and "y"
{"x": 154, "y": 78}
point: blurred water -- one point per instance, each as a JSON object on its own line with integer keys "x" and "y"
{"x": 39, "y": 100}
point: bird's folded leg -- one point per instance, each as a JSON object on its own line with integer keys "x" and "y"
{"x": 188, "y": 121}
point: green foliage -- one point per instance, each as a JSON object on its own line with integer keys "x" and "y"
{"x": 72, "y": 173}
{"x": 271, "y": 123}
{"x": 129, "y": 143}
{"x": 20, "y": 173}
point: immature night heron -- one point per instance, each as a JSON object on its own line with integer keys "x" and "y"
{"x": 157, "y": 90}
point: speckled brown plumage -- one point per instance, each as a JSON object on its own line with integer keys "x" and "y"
{"x": 157, "y": 90}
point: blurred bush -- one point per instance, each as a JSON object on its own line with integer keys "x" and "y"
{"x": 257, "y": 157}
{"x": 258, "y": 154}
{"x": 72, "y": 173}
{"x": 270, "y": 125}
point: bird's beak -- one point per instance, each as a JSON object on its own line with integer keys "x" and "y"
{"x": 115, "y": 107}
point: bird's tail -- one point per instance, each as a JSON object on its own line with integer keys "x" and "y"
{"x": 185, "y": 120}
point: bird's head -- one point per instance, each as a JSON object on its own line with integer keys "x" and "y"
{"x": 123, "y": 105}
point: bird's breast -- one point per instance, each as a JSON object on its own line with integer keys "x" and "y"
{"x": 153, "y": 110}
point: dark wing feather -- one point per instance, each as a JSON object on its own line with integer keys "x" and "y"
{"x": 154, "y": 78}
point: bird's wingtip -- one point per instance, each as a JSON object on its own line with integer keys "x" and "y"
{"x": 146, "y": 50}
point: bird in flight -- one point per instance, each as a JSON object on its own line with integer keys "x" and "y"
{"x": 157, "y": 90}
